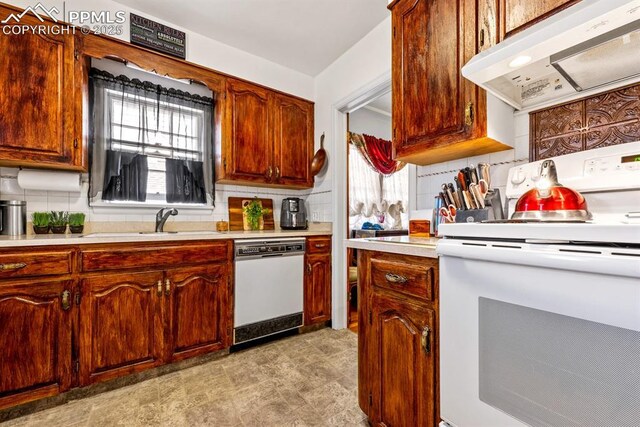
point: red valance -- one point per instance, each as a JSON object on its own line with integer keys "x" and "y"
{"x": 378, "y": 153}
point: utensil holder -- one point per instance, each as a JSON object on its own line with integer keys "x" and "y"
{"x": 491, "y": 212}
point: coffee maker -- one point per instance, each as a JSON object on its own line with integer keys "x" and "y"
{"x": 293, "y": 215}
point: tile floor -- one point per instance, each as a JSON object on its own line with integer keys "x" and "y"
{"x": 305, "y": 380}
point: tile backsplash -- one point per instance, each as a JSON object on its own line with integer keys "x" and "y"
{"x": 430, "y": 178}
{"x": 318, "y": 202}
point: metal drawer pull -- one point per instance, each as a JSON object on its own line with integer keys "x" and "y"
{"x": 159, "y": 287}
{"x": 319, "y": 246}
{"x": 425, "y": 341}
{"x": 12, "y": 266}
{"x": 66, "y": 300}
{"x": 167, "y": 287}
{"x": 395, "y": 278}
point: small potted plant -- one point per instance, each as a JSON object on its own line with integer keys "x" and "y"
{"x": 59, "y": 221}
{"x": 41, "y": 221}
{"x": 76, "y": 222}
{"x": 254, "y": 212}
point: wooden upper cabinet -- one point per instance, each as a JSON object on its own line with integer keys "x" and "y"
{"x": 38, "y": 124}
{"x": 121, "y": 328}
{"x": 292, "y": 131}
{"x": 267, "y": 138}
{"x": 199, "y": 310}
{"x": 35, "y": 343}
{"x": 518, "y": 15}
{"x": 437, "y": 114}
{"x": 248, "y": 151}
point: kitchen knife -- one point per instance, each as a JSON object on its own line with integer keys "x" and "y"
{"x": 454, "y": 194}
{"x": 460, "y": 194}
{"x": 470, "y": 200}
{"x": 467, "y": 177}
{"x": 449, "y": 193}
{"x": 447, "y": 199}
{"x": 484, "y": 169}
{"x": 462, "y": 180}
{"x": 475, "y": 190}
{"x": 444, "y": 199}
{"x": 474, "y": 174}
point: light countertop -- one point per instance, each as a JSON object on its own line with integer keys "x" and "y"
{"x": 403, "y": 245}
{"x": 80, "y": 239}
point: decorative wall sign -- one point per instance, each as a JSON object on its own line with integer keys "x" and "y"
{"x": 156, "y": 36}
{"x": 608, "y": 118}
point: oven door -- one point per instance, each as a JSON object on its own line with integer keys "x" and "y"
{"x": 538, "y": 335}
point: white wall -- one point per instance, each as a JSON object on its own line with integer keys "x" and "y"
{"x": 370, "y": 122}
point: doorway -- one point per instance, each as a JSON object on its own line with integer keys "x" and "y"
{"x": 378, "y": 189}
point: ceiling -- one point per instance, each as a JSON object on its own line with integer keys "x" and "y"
{"x": 305, "y": 35}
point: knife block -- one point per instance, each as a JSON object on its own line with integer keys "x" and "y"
{"x": 491, "y": 212}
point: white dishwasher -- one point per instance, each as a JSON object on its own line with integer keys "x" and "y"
{"x": 269, "y": 287}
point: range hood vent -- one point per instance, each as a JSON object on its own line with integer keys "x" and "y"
{"x": 593, "y": 44}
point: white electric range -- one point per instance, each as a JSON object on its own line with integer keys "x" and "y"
{"x": 540, "y": 323}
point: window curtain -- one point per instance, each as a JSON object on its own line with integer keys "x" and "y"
{"x": 376, "y": 198}
{"x": 377, "y": 152}
{"x": 120, "y": 153}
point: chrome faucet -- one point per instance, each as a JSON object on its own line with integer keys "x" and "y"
{"x": 162, "y": 217}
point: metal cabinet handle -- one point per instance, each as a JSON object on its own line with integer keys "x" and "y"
{"x": 319, "y": 246}
{"x": 309, "y": 268}
{"x": 12, "y": 266}
{"x": 468, "y": 114}
{"x": 269, "y": 172}
{"x": 425, "y": 341}
{"x": 277, "y": 172}
{"x": 167, "y": 287}
{"x": 159, "y": 287}
{"x": 482, "y": 37}
{"x": 66, "y": 300}
{"x": 395, "y": 278}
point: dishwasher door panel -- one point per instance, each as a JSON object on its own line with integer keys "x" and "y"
{"x": 267, "y": 288}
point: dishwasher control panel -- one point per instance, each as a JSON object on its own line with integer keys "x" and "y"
{"x": 268, "y": 248}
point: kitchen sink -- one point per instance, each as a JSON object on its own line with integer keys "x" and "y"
{"x": 151, "y": 233}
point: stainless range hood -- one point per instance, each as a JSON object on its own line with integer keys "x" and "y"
{"x": 593, "y": 44}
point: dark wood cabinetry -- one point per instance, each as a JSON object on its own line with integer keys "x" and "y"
{"x": 35, "y": 339}
{"x": 86, "y": 314}
{"x": 397, "y": 342}
{"x": 437, "y": 114}
{"x": 39, "y": 126}
{"x": 121, "y": 325}
{"x": 293, "y": 141}
{"x": 317, "y": 283}
{"x": 199, "y": 310}
{"x": 269, "y": 140}
{"x": 517, "y": 15}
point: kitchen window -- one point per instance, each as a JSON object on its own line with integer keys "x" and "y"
{"x": 151, "y": 145}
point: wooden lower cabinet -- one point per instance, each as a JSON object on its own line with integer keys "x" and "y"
{"x": 121, "y": 327}
{"x": 198, "y": 312}
{"x": 35, "y": 340}
{"x": 402, "y": 351}
{"x": 397, "y": 341}
{"x": 317, "y": 289}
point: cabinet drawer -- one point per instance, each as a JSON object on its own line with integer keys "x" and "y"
{"x": 319, "y": 245}
{"x": 411, "y": 279}
{"x": 117, "y": 257}
{"x": 44, "y": 263}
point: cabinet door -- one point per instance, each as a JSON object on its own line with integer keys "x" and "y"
{"x": 249, "y": 149}
{"x": 517, "y": 15}
{"x": 199, "y": 310}
{"x": 37, "y": 103}
{"x": 121, "y": 324}
{"x": 293, "y": 140}
{"x": 404, "y": 392}
{"x": 35, "y": 340}
{"x": 317, "y": 289}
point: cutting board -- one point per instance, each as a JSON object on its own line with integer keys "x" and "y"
{"x": 237, "y": 219}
